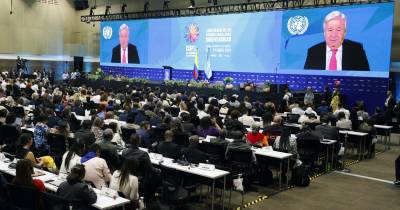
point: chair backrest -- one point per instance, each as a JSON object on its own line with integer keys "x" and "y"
{"x": 181, "y": 139}
{"x": 313, "y": 125}
{"x": 292, "y": 118}
{"x": 54, "y": 202}
{"x": 126, "y": 134}
{"x": 240, "y": 156}
{"x": 174, "y": 111}
{"x": 9, "y": 134}
{"x": 24, "y": 197}
{"x": 215, "y": 152}
{"x": 157, "y": 134}
{"x": 57, "y": 143}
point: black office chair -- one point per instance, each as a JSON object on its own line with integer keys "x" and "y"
{"x": 57, "y": 147}
{"x": 215, "y": 152}
{"x": 173, "y": 193}
{"x": 241, "y": 162}
{"x": 126, "y": 134}
{"x": 54, "y": 202}
{"x": 9, "y": 135}
{"x": 181, "y": 139}
{"x": 24, "y": 198}
{"x": 309, "y": 151}
{"x": 312, "y": 125}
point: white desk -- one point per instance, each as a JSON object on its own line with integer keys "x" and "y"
{"x": 277, "y": 155}
{"x": 387, "y": 129}
{"x": 327, "y": 143}
{"x": 362, "y": 143}
{"x": 103, "y": 201}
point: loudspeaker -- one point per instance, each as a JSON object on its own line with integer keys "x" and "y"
{"x": 78, "y": 63}
{"x": 81, "y": 4}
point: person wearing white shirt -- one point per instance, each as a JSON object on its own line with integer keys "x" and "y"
{"x": 71, "y": 158}
{"x": 246, "y": 120}
{"x": 124, "y": 181}
{"x": 341, "y": 109}
{"x": 201, "y": 113}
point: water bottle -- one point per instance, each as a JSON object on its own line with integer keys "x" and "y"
{"x": 141, "y": 203}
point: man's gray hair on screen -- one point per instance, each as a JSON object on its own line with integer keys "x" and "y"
{"x": 333, "y": 15}
{"x": 123, "y": 27}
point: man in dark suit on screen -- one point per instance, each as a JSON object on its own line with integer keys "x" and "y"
{"x": 125, "y": 52}
{"x": 336, "y": 53}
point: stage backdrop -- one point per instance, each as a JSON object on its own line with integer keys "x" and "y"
{"x": 279, "y": 46}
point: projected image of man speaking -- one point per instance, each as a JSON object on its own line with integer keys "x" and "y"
{"x": 336, "y": 53}
{"x": 125, "y": 52}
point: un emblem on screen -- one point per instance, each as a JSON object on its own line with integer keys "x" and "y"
{"x": 107, "y": 32}
{"x": 297, "y": 25}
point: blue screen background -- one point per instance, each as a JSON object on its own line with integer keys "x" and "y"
{"x": 260, "y": 42}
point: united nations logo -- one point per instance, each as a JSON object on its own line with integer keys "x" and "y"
{"x": 107, "y": 32}
{"x": 297, "y": 25}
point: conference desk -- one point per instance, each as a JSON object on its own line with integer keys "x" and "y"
{"x": 103, "y": 201}
{"x": 327, "y": 143}
{"x": 159, "y": 160}
{"x": 281, "y": 156}
{"x": 362, "y": 139}
{"x": 387, "y": 129}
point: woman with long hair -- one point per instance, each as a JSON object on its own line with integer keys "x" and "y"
{"x": 23, "y": 176}
{"x": 72, "y": 157}
{"x": 125, "y": 181}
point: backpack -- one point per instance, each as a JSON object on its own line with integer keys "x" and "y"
{"x": 300, "y": 176}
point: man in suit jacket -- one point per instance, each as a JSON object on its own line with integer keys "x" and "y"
{"x": 124, "y": 52}
{"x": 336, "y": 53}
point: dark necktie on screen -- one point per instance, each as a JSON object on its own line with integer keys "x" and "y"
{"x": 123, "y": 56}
{"x": 333, "y": 61}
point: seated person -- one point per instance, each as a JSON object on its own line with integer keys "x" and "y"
{"x": 307, "y": 135}
{"x": 255, "y": 137}
{"x": 23, "y": 176}
{"x": 286, "y": 143}
{"x": 72, "y": 157}
{"x": 40, "y": 134}
{"x": 238, "y": 143}
{"x": 343, "y": 122}
{"x": 167, "y": 148}
{"x": 117, "y": 139}
{"x": 233, "y": 124}
{"x": 192, "y": 153}
{"x": 97, "y": 169}
{"x": 74, "y": 189}
{"x": 327, "y": 131}
{"x": 85, "y": 135}
{"x": 106, "y": 143}
{"x": 208, "y": 127}
{"x": 275, "y": 127}
{"x": 323, "y": 108}
{"x": 24, "y": 149}
{"x": 125, "y": 181}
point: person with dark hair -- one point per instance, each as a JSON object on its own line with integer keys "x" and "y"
{"x": 97, "y": 169}
{"x": 40, "y": 134}
{"x": 201, "y": 110}
{"x": 97, "y": 129}
{"x": 117, "y": 139}
{"x": 233, "y": 124}
{"x": 267, "y": 119}
{"x": 62, "y": 129}
{"x": 3, "y": 115}
{"x": 378, "y": 117}
{"x": 325, "y": 130}
{"x": 125, "y": 181}
{"x": 323, "y": 108}
{"x": 286, "y": 143}
{"x": 23, "y": 176}
{"x": 343, "y": 122}
{"x": 192, "y": 153}
{"x": 238, "y": 143}
{"x": 187, "y": 126}
{"x": 11, "y": 120}
{"x": 72, "y": 157}
{"x": 84, "y": 135}
{"x": 207, "y": 127}
{"x": 144, "y": 134}
{"x": 75, "y": 190}
{"x": 135, "y": 153}
{"x": 23, "y": 151}
{"x": 167, "y": 148}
